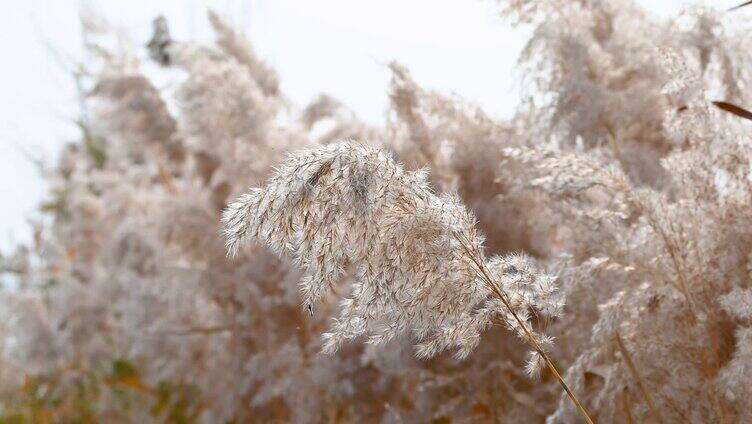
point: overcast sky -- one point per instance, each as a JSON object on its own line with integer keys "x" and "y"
{"x": 335, "y": 46}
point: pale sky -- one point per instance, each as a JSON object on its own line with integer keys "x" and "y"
{"x": 339, "y": 47}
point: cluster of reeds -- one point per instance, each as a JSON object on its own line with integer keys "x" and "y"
{"x": 599, "y": 240}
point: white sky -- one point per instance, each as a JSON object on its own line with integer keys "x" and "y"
{"x": 335, "y": 46}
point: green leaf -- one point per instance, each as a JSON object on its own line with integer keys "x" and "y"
{"x": 122, "y": 369}
{"x": 92, "y": 145}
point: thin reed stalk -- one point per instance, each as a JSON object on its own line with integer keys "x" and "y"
{"x": 529, "y": 337}
{"x": 640, "y": 382}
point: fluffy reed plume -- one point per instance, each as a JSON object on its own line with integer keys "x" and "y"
{"x": 350, "y": 206}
